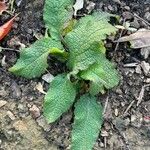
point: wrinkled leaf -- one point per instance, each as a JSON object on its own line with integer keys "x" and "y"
{"x": 88, "y": 30}
{"x": 56, "y": 15}
{"x": 59, "y": 98}
{"x": 101, "y": 74}
{"x": 87, "y": 123}
{"x": 33, "y": 60}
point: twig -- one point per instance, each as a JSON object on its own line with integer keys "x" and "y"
{"x": 141, "y": 95}
{"x": 9, "y": 49}
{"x": 141, "y": 19}
{"x": 105, "y": 107}
{"x": 129, "y": 106}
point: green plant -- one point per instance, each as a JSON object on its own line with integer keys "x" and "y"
{"x": 80, "y": 44}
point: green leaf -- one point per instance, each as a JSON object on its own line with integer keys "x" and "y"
{"x": 59, "y": 98}
{"x": 57, "y": 13}
{"x": 33, "y": 60}
{"x": 101, "y": 74}
{"x": 87, "y": 123}
{"x": 90, "y": 29}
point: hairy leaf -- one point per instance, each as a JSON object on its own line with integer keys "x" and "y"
{"x": 88, "y": 30}
{"x": 101, "y": 74}
{"x": 57, "y": 14}
{"x": 33, "y": 60}
{"x": 59, "y": 98}
{"x": 87, "y": 123}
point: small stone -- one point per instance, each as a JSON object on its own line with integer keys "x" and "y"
{"x": 147, "y": 80}
{"x": 127, "y": 15}
{"x": 11, "y": 115}
{"x": 110, "y": 8}
{"x": 116, "y": 112}
{"x": 101, "y": 144}
{"x": 35, "y": 111}
{"x": 133, "y": 118}
{"x": 16, "y": 90}
{"x": 48, "y": 77}
{"x": 104, "y": 133}
{"x": 2, "y": 103}
{"x": 138, "y": 69}
{"x": 147, "y": 16}
{"x": 146, "y": 67}
{"x": 43, "y": 123}
{"x": 21, "y": 107}
{"x": 127, "y": 8}
{"x": 135, "y": 24}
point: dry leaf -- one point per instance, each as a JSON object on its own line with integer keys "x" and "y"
{"x": 3, "y": 6}
{"x": 77, "y": 6}
{"x": 4, "y": 29}
{"x": 139, "y": 39}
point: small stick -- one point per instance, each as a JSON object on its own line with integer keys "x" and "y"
{"x": 105, "y": 107}
{"x": 141, "y": 95}
{"x": 141, "y": 19}
{"x": 9, "y": 49}
{"x": 129, "y": 106}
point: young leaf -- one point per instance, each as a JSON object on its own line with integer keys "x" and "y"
{"x": 87, "y": 123}
{"x": 33, "y": 60}
{"x": 57, "y": 13}
{"x": 101, "y": 74}
{"x": 88, "y": 30}
{"x": 59, "y": 98}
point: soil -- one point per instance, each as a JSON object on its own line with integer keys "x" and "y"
{"x": 127, "y": 115}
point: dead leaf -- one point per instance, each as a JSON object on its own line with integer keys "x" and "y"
{"x": 77, "y": 6}
{"x": 139, "y": 39}
{"x": 3, "y": 6}
{"x": 4, "y": 29}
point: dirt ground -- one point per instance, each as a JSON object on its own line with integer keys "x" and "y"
{"x": 127, "y": 115}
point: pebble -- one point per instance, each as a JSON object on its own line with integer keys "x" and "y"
{"x": 48, "y": 77}
{"x": 104, "y": 133}
{"x": 138, "y": 69}
{"x": 116, "y": 112}
{"x": 2, "y": 103}
{"x": 11, "y": 115}
{"x": 147, "y": 16}
{"x": 35, "y": 111}
{"x": 147, "y": 80}
{"x": 127, "y": 15}
{"x": 43, "y": 123}
{"x": 146, "y": 67}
